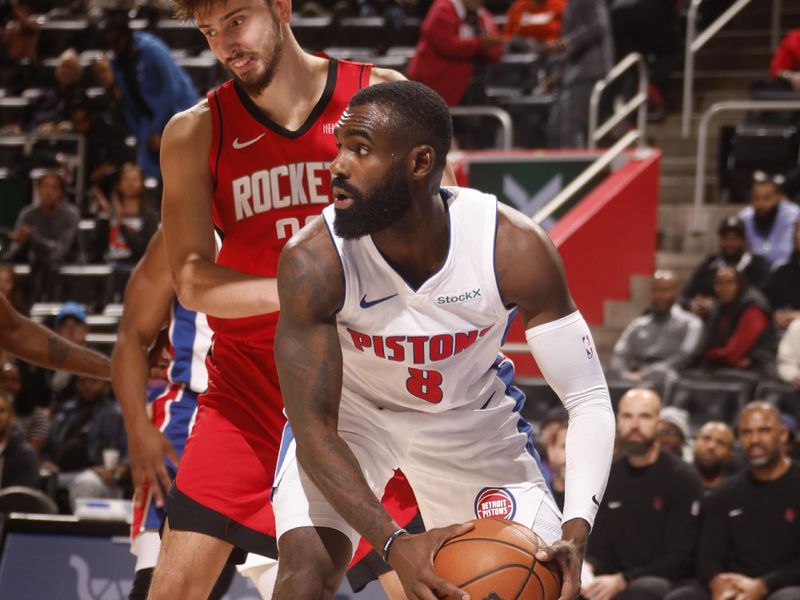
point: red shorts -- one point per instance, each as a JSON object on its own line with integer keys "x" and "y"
{"x": 229, "y": 461}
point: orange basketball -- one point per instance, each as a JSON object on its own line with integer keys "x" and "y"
{"x": 496, "y": 561}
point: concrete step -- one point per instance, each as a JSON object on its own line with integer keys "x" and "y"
{"x": 681, "y": 230}
{"x": 716, "y": 58}
{"x": 682, "y": 264}
{"x": 618, "y": 313}
{"x": 672, "y": 165}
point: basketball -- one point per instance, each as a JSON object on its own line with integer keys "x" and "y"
{"x": 496, "y": 561}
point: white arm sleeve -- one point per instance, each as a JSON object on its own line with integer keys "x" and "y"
{"x": 565, "y": 353}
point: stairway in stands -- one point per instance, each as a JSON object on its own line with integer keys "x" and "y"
{"x": 723, "y": 70}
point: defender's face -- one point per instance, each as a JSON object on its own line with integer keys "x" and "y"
{"x": 371, "y": 190}
{"x": 247, "y": 37}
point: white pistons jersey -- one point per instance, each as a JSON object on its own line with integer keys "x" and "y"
{"x": 431, "y": 349}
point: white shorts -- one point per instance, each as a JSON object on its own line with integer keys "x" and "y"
{"x": 462, "y": 464}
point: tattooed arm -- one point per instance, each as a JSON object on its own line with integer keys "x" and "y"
{"x": 36, "y": 344}
{"x": 309, "y": 361}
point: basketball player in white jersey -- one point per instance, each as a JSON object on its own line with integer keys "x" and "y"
{"x": 394, "y": 306}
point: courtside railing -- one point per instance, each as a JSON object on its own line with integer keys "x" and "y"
{"x": 507, "y": 127}
{"x": 638, "y": 103}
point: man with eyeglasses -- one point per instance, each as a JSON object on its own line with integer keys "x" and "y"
{"x": 770, "y": 219}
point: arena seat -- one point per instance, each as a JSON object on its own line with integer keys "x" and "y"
{"x": 408, "y": 34}
{"x": 58, "y": 35}
{"x": 13, "y": 109}
{"x": 363, "y": 32}
{"x": 709, "y": 400}
{"x": 529, "y": 114}
{"x": 783, "y": 395}
{"x": 23, "y": 499}
{"x": 312, "y": 33}
{"x": 12, "y": 149}
{"x": 179, "y": 35}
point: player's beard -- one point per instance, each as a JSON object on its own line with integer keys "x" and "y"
{"x": 375, "y": 210}
{"x": 255, "y": 83}
{"x": 637, "y": 447}
{"x": 709, "y": 470}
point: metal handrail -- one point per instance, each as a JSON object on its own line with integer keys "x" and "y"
{"x": 586, "y": 176}
{"x": 638, "y": 102}
{"x": 775, "y": 28}
{"x": 489, "y": 111}
{"x": 702, "y": 136}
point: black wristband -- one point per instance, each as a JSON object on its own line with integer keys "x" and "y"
{"x": 387, "y": 545}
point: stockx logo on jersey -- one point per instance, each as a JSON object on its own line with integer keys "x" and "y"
{"x": 459, "y": 298}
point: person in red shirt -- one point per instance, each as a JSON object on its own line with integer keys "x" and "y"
{"x": 455, "y": 37}
{"x": 739, "y": 331}
{"x": 786, "y": 61}
{"x": 538, "y": 20}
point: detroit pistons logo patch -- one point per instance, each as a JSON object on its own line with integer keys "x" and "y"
{"x": 495, "y": 502}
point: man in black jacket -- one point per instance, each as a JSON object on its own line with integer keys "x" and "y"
{"x": 750, "y": 538}
{"x": 644, "y": 537}
{"x": 19, "y": 463}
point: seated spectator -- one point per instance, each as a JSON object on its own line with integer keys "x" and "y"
{"x": 673, "y": 430}
{"x": 32, "y": 421}
{"x": 786, "y": 60}
{"x": 82, "y": 428}
{"x": 154, "y": 87}
{"x": 536, "y": 20}
{"x": 770, "y": 219}
{"x": 783, "y": 287}
{"x": 124, "y": 226}
{"x": 657, "y": 345}
{"x": 789, "y": 355}
{"x": 10, "y": 287}
{"x": 586, "y": 52}
{"x": 790, "y": 445}
{"x": 19, "y": 463}
{"x": 106, "y": 151}
{"x": 44, "y": 237}
{"x": 698, "y": 295}
{"x": 110, "y": 105}
{"x": 456, "y": 40}
{"x": 750, "y": 539}
{"x": 70, "y": 323}
{"x": 20, "y": 38}
{"x": 739, "y": 332}
{"x": 713, "y": 453}
{"x": 49, "y": 112}
{"x": 555, "y": 463}
{"x": 644, "y": 536}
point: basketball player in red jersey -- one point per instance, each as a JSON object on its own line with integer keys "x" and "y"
{"x": 251, "y": 160}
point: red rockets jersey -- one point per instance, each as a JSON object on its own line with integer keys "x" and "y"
{"x": 269, "y": 182}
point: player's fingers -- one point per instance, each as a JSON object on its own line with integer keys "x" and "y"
{"x": 452, "y": 531}
{"x": 155, "y": 486}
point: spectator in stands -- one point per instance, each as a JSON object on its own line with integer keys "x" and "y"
{"x": 70, "y": 323}
{"x": 538, "y": 21}
{"x": 790, "y": 444}
{"x": 44, "y": 236}
{"x": 124, "y": 226}
{"x": 786, "y": 60}
{"x": 82, "y": 428}
{"x": 456, "y": 40}
{"x": 698, "y": 295}
{"x": 50, "y": 111}
{"x": 713, "y": 453}
{"x": 673, "y": 430}
{"x": 586, "y": 49}
{"x": 19, "y": 57}
{"x": 750, "y": 540}
{"x": 789, "y": 356}
{"x": 644, "y": 536}
{"x": 10, "y": 287}
{"x": 555, "y": 463}
{"x": 105, "y": 144}
{"x": 739, "y": 332}
{"x": 783, "y": 287}
{"x": 659, "y": 344}
{"x": 770, "y": 219}
{"x": 32, "y": 420}
{"x": 110, "y": 105}
{"x": 153, "y": 86}
{"x": 19, "y": 463}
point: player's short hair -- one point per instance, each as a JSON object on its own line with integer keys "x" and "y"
{"x": 185, "y": 10}
{"x": 417, "y": 111}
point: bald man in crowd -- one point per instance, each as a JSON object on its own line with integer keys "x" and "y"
{"x": 658, "y": 345}
{"x": 644, "y": 537}
{"x": 750, "y": 538}
{"x": 713, "y": 453}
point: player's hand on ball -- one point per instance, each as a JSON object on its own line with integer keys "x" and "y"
{"x": 147, "y": 448}
{"x": 412, "y": 557}
{"x": 569, "y": 560}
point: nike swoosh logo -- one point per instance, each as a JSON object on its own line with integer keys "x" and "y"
{"x": 594, "y": 499}
{"x": 614, "y": 505}
{"x": 370, "y": 303}
{"x": 239, "y": 145}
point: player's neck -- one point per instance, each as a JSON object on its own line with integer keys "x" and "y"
{"x": 417, "y": 245}
{"x": 296, "y": 88}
